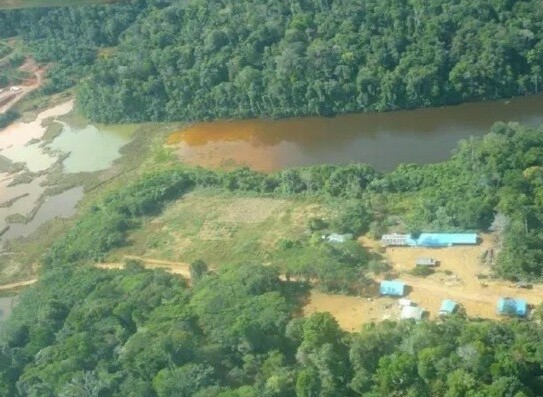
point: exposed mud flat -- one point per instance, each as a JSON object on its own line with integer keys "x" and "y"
{"x": 40, "y": 154}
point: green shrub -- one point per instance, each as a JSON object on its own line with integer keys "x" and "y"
{"x": 422, "y": 271}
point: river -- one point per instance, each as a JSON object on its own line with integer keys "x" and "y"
{"x": 383, "y": 140}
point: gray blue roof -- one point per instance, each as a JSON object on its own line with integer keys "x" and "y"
{"x": 448, "y": 306}
{"x": 512, "y": 306}
{"x": 394, "y": 288}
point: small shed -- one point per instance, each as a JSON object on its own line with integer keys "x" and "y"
{"x": 523, "y": 284}
{"x": 512, "y": 307}
{"x": 426, "y": 261}
{"x": 413, "y": 312}
{"x": 339, "y": 238}
{"x": 447, "y": 307}
{"x": 392, "y": 288}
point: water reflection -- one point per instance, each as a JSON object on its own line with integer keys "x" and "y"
{"x": 60, "y": 205}
{"x": 91, "y": 148}
{"x": 383, "y": 140}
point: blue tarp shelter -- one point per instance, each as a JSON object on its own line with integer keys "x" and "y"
{"x": 393, "y": 288}
{"x": 512, "y": 307}
{"x": 442, "y": 239}
{"x": 447, "y": 306}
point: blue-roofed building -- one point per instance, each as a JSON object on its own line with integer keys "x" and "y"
{"x": 447, "y": 307}
{"x": 442, "y": 239}
{"x": 430, "y": 239}
{"x": 392, "y": 288}
{"x": 512, "y": 307}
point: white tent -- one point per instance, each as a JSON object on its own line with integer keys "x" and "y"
{"x": 411, "y": 312}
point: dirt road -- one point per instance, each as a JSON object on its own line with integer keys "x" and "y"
{"x": 7, "y": 287}
{"x": 173, "y": 267}
{"x": 460, "y": 277}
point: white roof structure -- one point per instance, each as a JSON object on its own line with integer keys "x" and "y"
{"x": 425, "y": 261}
{"x": 339, "y": 238}
{"x": 413, "y": 312}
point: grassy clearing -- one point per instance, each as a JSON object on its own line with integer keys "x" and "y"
{"x": 220, "y": 227}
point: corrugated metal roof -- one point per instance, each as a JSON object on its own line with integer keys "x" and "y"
{"x": 394, "y": 288}
{"x": 339, "y": 238}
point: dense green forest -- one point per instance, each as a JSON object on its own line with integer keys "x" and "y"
{"x": 238, "y": 332}
{"x": 192, "y": 60}
{"x": 69, "y": 37}
{"x": 11, "y": 4}
{"x": 135, "y": 332}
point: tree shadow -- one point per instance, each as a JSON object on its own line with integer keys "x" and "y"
{"x": 297, "y": 294}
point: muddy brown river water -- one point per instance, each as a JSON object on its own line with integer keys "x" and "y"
{"x": 383, "y": 140}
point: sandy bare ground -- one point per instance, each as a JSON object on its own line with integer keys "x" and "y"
{"x": 477, "y": 296}
{"x": 7, "y": 287}
{"x": 27, "y": 86}
{"x": 352, "y": 311}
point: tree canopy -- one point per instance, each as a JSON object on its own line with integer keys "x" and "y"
{"x": 194, "y": 60}
{"x": 136, "y": 332}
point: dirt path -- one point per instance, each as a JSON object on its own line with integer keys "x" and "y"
{"x": 456, "y": 278}
{"x": 181, "y": 268}
{"x": 6, "y": 287}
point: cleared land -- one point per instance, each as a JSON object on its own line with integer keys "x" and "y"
{"x": 455, "y": 278}
{"x": 220, "y": 228}
{"x": 477, "y": 297}
{"x": 9, "y": 99}
{"x": 227, "y": 228}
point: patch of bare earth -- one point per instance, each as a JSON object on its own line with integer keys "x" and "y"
{"x": 180, "y": 268}
{"x": 455, "y": 278}
{"x": 250, "y": 210}
{"x": 26, "y": 87}
{"x": 352, "y": 311}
